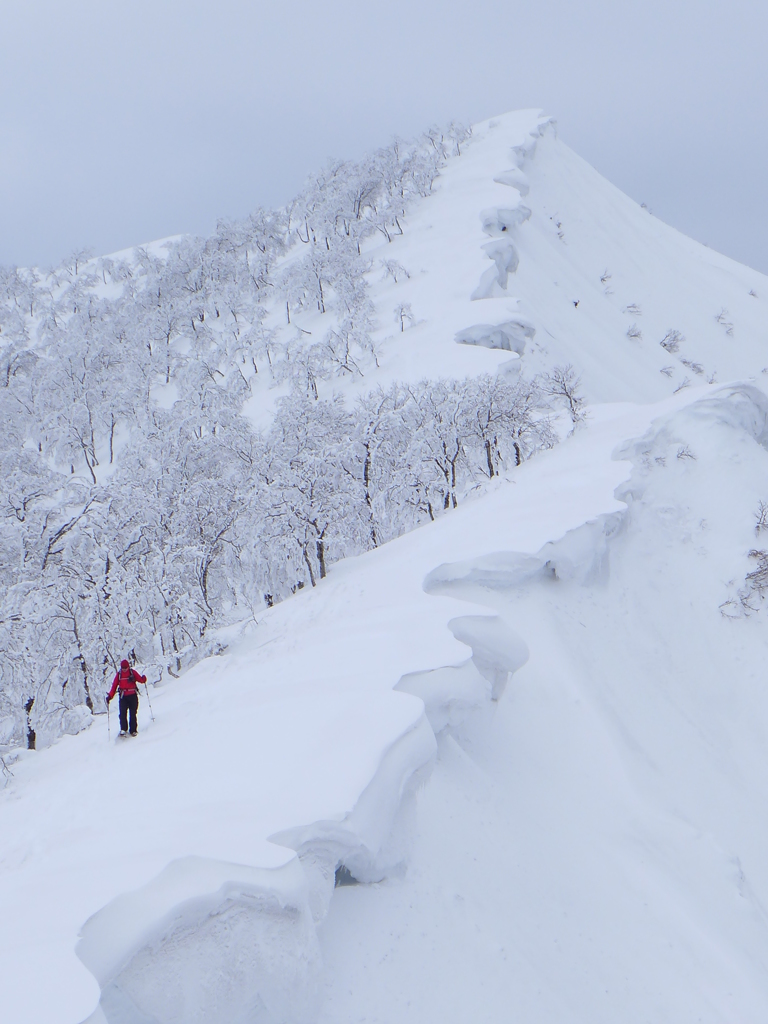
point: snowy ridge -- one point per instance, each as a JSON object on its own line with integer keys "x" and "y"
{"x": 621, "y": 772}
{"x": 637, "y": 307}
{"x": 371, "y": 623}
{"x": 199, "y": 863}
{"x": 157, "y": 952}
{"x": 166, "y": 951}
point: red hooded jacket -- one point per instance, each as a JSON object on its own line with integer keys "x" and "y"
{"x": 127, "y": 680}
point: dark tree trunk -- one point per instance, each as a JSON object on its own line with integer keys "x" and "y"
{"x": 489, "y": 460}
{"x": 31, "y": 736}
{"x": 309, "y": 566}
{"x": 368, "y": 499}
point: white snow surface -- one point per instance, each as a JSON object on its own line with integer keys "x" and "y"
{"x": 527, "y": 730}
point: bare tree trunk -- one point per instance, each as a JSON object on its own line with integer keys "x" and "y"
{"x": 489, "y": 460}
{"x": 83, "y": 665}
{"x": 321, "y": 558}
{"x": 309, "y": 565}
{"x": 368, "y": 499}
{"x": 84, "y": 446}
{"x": 31, "y": 736}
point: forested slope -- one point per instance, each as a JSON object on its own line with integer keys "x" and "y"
{"x": 178, "y": 451}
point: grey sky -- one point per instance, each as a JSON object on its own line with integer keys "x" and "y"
{"x": 124, "y": 122}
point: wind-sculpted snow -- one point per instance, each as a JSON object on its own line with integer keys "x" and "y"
{"x": 498, "y": 221}
{"x": 449, "y": 693}
{"x": 207, "y": 941}
{"x": 493, "y": 283}
{"x": 453, "y": 692}
{"x": 581, "y": 555}
{"x": 371, "y": 842}
{"x": 607, "y": 861}
{"x": 515, "y": 178}
{"x": 497, "y": 651}
{"x": 510, "y": 336}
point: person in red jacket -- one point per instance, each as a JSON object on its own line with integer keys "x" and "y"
{"x": 127, "y": 681}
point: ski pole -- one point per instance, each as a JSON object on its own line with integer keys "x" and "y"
{"x": 146, "y": 690}
{"x": 109, "y": 727}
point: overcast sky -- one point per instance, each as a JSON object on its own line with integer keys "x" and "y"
{"x": 122, "y": 122}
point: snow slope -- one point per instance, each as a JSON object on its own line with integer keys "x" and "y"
{"x": 587, "y": 846}
{"x": 517, "y": 185}
{"x": 595, "y": 851}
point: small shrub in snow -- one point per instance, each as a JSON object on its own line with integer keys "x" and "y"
{"x": 671, "y": 341}
{"x": 757, "y": 580}
{"x": 696, "y": 367}
{"x": 634, "y": 332}
{"x": 722, "y": 319}
{"x": 684, "y": 452}
{"x": 684, "y": 383}
{"x": 750, "y": 596}
{"x": 761, "y": 517}
{"x": 633, "y": 309}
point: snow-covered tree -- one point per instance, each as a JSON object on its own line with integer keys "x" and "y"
{"x": 140, "y": 509}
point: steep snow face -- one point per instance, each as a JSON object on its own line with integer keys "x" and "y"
{"x": 595, "y": 850}
{"x": 580, "y": 273}
{"x": 574, "y": 656}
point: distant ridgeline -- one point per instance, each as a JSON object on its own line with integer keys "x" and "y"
{"x": 141, "y": 509}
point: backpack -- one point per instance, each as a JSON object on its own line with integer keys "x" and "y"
{"x": 128, "y": 681}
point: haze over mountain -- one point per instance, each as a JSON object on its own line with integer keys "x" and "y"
{"x": 454, "y": 471}
{"x": 178, "y": 115}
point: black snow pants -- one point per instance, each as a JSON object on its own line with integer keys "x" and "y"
{"x": 129, "y": 702}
